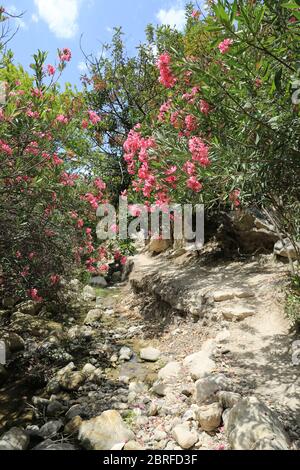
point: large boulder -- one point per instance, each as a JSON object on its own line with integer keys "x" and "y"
{"x": 201, "y": 363}
{"x": 286, "y": 249}
{"x": 247, "y": 230}
{"x": 38, "y": 327}
{"x": 104, "y": 432}
{"x": 251, "y": 425}
{"x": 150, "y": 354}
{"x": 207, "y": 388}
{"x": 14, "y": 439}
{"x": 13, "y": 342}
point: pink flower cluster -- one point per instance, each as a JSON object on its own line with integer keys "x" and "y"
{"x": 51, "y": 69}
{"x": 199, "y": 151}
{"x": 224, "y": 46}
{"x": 65, "y": 55}
{"x": 5, "y": 148}
{"x": 166, "y": 76}
{"x": 94, "y": 118}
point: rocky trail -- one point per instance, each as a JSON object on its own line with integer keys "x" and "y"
{"x": 191, "y": 353}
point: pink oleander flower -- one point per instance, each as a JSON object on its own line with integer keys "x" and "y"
{"x": 189, "y": 168}
{"x": 199, "y": 151}
{"x": 34, "y": 295}
{"x": 166, "y": 76}
{"x": 80, "y": 223}
{"x": 171, "y": 170}
{"x": 61, "y": 118}
{"x": 104, "y": 268}
{"x": 51, "y": 70}
{"x": 37, "y": 92}
{"x": 234, "y": 197}
{"x": 18, "y": 255}
{"x": 224, "y": 46}
{"x": 190, "y": 123}
{"x": 194, "y": 184}
{"x": 100, "y": 184}
{"x": 84, "y": 124}
{"x": 56, "y": 160}
{"x": 32, "y": 114}
{"x": 204, "y": 107}
{"x": 65, "y": 55}
{"x": 258, "y": 82}
{"x": 123, "y": 260}
{"x": 54, "y": 279}
{"x": 5, "y": 148}
{"x": 94, "y": 118}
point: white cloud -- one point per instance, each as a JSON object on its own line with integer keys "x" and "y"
{"x": 60, "y": 15}
{"x": 175, "y": 17}
{"x": 82, "y": 67}
{"x": 34, "y": 18}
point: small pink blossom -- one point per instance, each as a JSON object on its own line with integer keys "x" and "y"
{"x": 51, "y": 69}
{"x": 94, "y": 118}
{"x": 61, "y": 118}
{"x": 224, "y": 46}
{"x": 65, "y": 55}
{"x": 194, "y": 184}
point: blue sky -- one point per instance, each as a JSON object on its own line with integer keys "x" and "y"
{"x": 52, "y": 24}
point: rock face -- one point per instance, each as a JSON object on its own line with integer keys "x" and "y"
{"x": 247, "y": 230}
{"x": 286, "y": 249}
{"x": 210, "y": 416}
{"x": 237, "y": 312}
{"x": 150, "y": 354}
{"x": 252, "y": 426}
{"x": 104, "y": 432}
{"x": 157, "y": 246}
{"x": 14, "y": 439}
{"x": 184, "y": 437}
